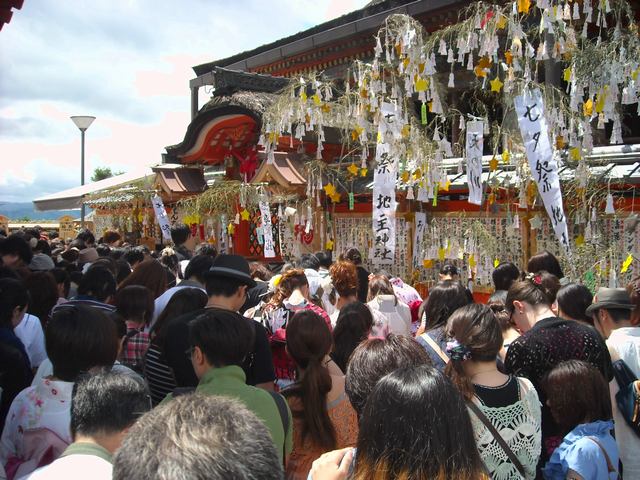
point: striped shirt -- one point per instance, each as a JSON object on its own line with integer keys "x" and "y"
{"x": 158, "y": 374}
{"x": 87, "y": 302}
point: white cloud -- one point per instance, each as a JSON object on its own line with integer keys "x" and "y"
{"x": 127, "y": 63}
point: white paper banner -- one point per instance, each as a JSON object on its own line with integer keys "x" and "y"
{"x": 161, "y": 217}
{"x": 419, "y": 226}
{"x": 384, "y": 203}
{"x": 474, "y": 148}
{"x": 544, "y": 168}
{"x": 269, "y": 250}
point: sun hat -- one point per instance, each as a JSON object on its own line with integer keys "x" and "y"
{"x": 610, "y": 299}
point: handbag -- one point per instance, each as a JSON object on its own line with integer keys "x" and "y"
{"x": 498, "y": 438}
{"x": 628, "y": 398}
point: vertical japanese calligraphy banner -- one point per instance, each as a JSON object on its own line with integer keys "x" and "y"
{"x": 384, "y": 207}
{"x": 161, "y": 217}
{"x": 474, "y": 147}
{"x": 544, "y": 168}
{"x": 418, "y": 233}
{"x": 268, "y": 247}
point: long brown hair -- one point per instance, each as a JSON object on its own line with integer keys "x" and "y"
{"x": 380, "y": 285}
{"x": 289, "y": 281}
{"x": 148, "y": 273}
{"x": 308, "y": 342}
{"x": 478, "y": 332}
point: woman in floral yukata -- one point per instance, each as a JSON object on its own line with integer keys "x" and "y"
{"x": 36, "y": 432}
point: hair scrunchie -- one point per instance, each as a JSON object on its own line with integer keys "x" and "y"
{"x": 458, "y": 351}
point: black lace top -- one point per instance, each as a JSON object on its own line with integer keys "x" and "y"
{"x": 550, "y": 342}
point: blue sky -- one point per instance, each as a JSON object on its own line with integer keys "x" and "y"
{"x": 127, "y": 62}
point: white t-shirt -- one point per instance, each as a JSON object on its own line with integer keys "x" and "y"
{"x": 393, "y": 313}
{"x": 626, "y": 342}
{"x": 30, "y": 333}
{"x": 77, "y": 466}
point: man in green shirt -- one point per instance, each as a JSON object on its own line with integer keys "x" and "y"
{"x": 219, "y": 345}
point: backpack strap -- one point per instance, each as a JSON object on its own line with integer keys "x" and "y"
{"x": 435, "y": 347}
{"x": 610, "y": 466}
{"x": 281, "y": 404}
{"x": 498, "y": 438}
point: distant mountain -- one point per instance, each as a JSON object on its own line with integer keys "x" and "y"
{"x": 25, "y": 211}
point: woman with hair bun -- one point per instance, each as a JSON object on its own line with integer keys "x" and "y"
{"x": 510, "y": 404}
{"x": 323, "y": 417}
{"x": 547, "y": 341}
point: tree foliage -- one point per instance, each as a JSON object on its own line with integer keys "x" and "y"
{"x": 100, "y": 173}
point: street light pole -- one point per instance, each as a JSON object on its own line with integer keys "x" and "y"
{"x": 82, "y": 122}
{"x": 82, "y": 174}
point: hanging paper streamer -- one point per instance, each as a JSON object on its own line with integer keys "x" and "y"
{"x": 267, "y": 230}
{"x": 161, "y": 217}
{"x": 544, "y": 168}
{"x": 418, "y": 234}
{"x": 474, "y": 160}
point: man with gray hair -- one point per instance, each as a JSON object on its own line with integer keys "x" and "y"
{"x": 198, "y": 437}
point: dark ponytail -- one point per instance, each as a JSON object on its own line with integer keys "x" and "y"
{"x": 308, "y": 342}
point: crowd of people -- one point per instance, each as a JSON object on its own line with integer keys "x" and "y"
{"x": 120, "y": 362}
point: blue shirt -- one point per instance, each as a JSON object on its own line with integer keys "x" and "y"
{"x": 582, "y": 455}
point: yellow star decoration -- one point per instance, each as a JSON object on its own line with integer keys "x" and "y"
{"x": 421, "y": 85}
{"x": 363, "y": 172}
{"x": 446, "y": 186}
{"x": 472, "y": 261}
{"x": 353, "y": 169}
{"x": 496, "y": 85}
{"x": 524, "y": 6}
{"x": 481, "y": 68}
{"x": 329, "y": 189}
{"x": 325, "y": 108}
{"x": 328, "y": 245}
{"x": 506, "y": 156}
{"x": 508, "y": 57}
{"x": 587, "y": 108}
{"x": 566, "y": 75}
{"x": 626, "y": 264}
{"x": 496, "y": 262}
{"x": 501, "y": 22}
{"x": 303, "y": 96}
{"x": 426, "y": 263}
{"x": 579, "y": 241}
{"x": 335, "y": 197}
{"x": 560, "y": 143}
{"x": 316, "y": 99}
{"x": 406, "y": 130}
{"x": 231, "y": 229}
{"x": 493, "y": 164}
{"x": 405, "y": 176}
{"x": 245, "y": 215}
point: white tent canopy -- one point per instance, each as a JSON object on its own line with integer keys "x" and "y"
{"x": 73, "y": 197}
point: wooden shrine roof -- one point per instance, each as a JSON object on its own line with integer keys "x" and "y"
{"x": 347, "y": 26}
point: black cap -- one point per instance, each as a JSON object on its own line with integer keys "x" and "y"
{"x": 232, "y": 266}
